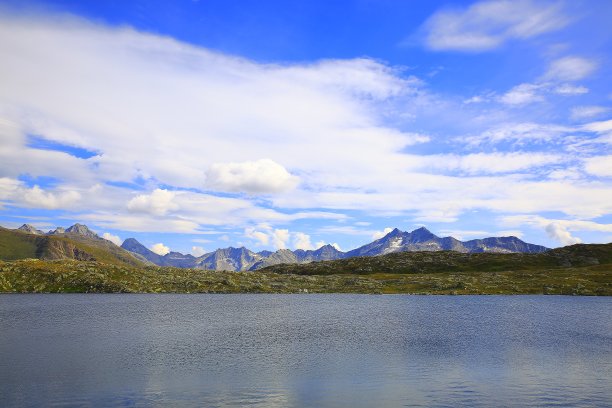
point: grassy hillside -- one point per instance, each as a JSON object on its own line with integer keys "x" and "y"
{"x": 19, "y": 245}
{"x": 16, "y": 245}
{"x": 38, "y": 276}
{"x": 92, "y": 265}
{"x": 448, "y": 261}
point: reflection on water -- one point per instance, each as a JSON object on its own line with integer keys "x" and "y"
{"x": 304, "y": 350}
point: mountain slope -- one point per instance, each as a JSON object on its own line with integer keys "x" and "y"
{"x": 228, "y": 259}
{"x": 242, "y": 259}
{"x": 579, "y": 255}
{"x": 29, "y": 229}
{"x": 79, "y": 244}
{"x": 423, "y": 240}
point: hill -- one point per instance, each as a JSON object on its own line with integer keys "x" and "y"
{"x": 77, "y": 242}
{"x": 578, "y": 255}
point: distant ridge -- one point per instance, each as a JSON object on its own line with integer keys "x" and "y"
{"x": 421, "y": 239}
{"x": 243, "y": 259}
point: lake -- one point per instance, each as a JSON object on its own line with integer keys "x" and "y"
{"x": 304, "y": 350}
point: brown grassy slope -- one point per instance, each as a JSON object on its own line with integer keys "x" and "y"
{"x": 20, "y": 245}
{"x": 448, "y": 261}
{"x": 66, "y": 276}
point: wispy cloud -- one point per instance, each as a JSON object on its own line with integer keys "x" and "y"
{"x": 487, "y": 25}
{"x": 587, "y": 112}
{"x": 570, "y": 68}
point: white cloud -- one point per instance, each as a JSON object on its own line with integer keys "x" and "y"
{"x": 159, "y": 202}
{"x": 140, "y": 223}
{"x": 35, "y": 197}
{"x": 197, "y": 251}
{"x": 260, "y": 237}
{"x": 570, "y": 68}
{"x": 112, "y": 238}
{"x": 559, "y": 230}
{"x": 585, "y": 112}
{"x": 568, "y": 89}
{"x": 280, "y": 237}
{"x": 520, "y": 133}
{"x": 476, "y": 99}
{"x": 325, "y": 122}
{"x": 599, "y": 165}
{"x": 160, "y": 249}
{"x": 522, "y": 94}
{"x": 380, "y": 234}
{"x": 487, "y": 25}
{"x": 203, "y": 106}
{"x": 302, "y": 241}
{"x": 38, "y": 198}
{"x": 261, "y": 176}
{"x": 598, "y": 127}
{"x": 265, "y": 235}
{"x": 484, "y": 163}
{"x": 561, "y": 234}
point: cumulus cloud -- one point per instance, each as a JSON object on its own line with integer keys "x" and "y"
{"x": 486, "y": 25}
{"x": 159, "y": 202}
{"x": 570, "y": 68}
{"x": 197, "y": 251}
{"x": 36, "y": 197}
{"x": 561, "y": 234}
{"x": 160, "y": 249}
{"x": 112, "y": 238}
{"x": 261, "y": 176}
{"x": 380, "y": 234}
{"x": 559, "y": 230}
{"x": 280, "y": 238}
{"x": 260, "y": 237}
{"x": 302, "y": 241}
{"x": 266, "y": 235}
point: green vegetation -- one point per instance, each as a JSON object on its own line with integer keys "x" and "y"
{"x": 65, "y": 276}
{"x": 17, "y": 245}
{"x": 455, "y": 262}
{"x": 73, "y": 263}
{"x": 20, "y": 245}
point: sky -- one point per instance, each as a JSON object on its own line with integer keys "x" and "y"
{"x": 196, "y": 125}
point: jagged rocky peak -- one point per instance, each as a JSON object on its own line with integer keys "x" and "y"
{"x": 395, "y": 233}
{"x": 132, "y": 245}
{"x": 80, "y": 229}
{"x": 327, "y": 247}
{"x": 30, "y": 229}
{"x": 58, "y": 230}
{"x": 422, "y": 233}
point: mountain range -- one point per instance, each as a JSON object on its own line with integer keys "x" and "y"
{"x": 82, "y": 242}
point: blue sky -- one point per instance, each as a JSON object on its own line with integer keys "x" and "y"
{"x": 193, "y": 125}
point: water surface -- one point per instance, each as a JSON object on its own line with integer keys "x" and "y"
{"x": 304, "y": 350}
